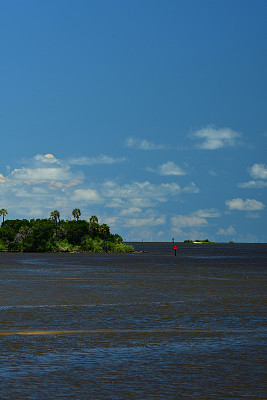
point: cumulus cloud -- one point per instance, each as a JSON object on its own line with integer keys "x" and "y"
{"x": 253, "y": 185}
{"x": 139, "y": 222}
{"x": 141, "y": 190}
{"x": 182, "y": 221}
{"x": 143, "y": 144}
{"x": 191, "y": 188}
{"x": 244, "y": 205}
{"x": 137, "y": 194}
{"x": 170, "y": 168}
{"x": 195, "y": 219}
{"x": 41, "y": 174}
{"x": 40, "y": 183}
{"x": 87, "y": 195}
{"x": 102, "y": 159}
{"x": 47, "y": 158}
{"x": 43, "y": 169}
{"x": 228, "y": 231}
{"x": 2, "y": 178}
{"x": 45, "y": 183}
{"x": 207, "y": 213}
{"x": 130, "y": 211}
{"x": 258, "y": 171}
{"x": 212, "y": 138}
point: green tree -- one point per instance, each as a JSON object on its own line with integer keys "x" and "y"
{"x": 37, "y": 236}
{"x": 76, "y": 213}
{"x": 93, "y": 219}
{"x": 24, "y": 232}
{"x": 104, "y": 231}
{"x": 55, "y": 215}
{"x": 116, "y": 238}
{"x": 40, "y": 237}
{"x": 3, "y": 212}
{"x": 75, "y": 230}
{"x": 93, "y": 229}
{"x": 7, "y": 234}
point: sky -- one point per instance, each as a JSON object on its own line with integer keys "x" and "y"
{"x": 149, "y": 114}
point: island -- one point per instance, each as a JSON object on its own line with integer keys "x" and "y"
{"x": 55, "y": 235}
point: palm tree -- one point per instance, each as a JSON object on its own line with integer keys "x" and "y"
{"x": 76, "y": 213}
{"x": 104, "y": 230}
{"x": 24, "y": 232}
{"x": 55, "y": 215}
{"x": 3, "y": 212}
{"x": 94, "y": 219}
{"x": 93, "y": 229}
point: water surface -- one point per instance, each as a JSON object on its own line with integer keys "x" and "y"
{"x": 134, "y": 326}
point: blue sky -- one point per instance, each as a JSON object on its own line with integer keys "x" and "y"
{"x": 149, "y": 114}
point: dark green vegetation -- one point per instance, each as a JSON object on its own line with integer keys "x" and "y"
{"x": 51, "y": 234}
{"x": 197, "y": 241}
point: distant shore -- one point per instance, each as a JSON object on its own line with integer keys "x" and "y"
{"x": 153, "y": 247}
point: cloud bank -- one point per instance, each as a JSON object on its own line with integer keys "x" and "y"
{"x": 259, "y": 173}
{"x": 102, "y": 159}
{"x": 212, "y": 138}
{"x": 143, "y": 144}
{"x": 144, "y": 208}
{"x": 170, "y": 168}
{"x": 244, "y": 205}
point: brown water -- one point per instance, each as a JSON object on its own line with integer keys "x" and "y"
{"x": 134, "y": 326}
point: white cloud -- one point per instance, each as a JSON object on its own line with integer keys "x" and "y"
{"x": 258, "y": 171}
{"x": 132, "y": 208}
{"x": 139, "y": 222}
{"x": 170, "y": 168}
{"x": 130, "y": 211}
{"x": 229, "y": 231}
{"x": 181, "y": 221}
{"x": 111, "y": 221}
{"x": 207, "y": 213}
{"x": 244, "y": 205}
{"x": 143, "y": 144}
{"x": 115, "y": 203}
{"x": 191, "y": 188}
{"x": 2, "y": 178}
{"x": 43, "y": 169}
{"x": 90, "y": 195}
{"x": 212, "y": 138}
{"x": 195, "y": 219}
{"x": 41, "y": 174}
{"x": 141, "y": 190}
{"x": 47, "y": 158}
{"x": 102, "y": 159}
{"x": 137, "y": 194}
{"x": 192, "y": 234}
{"x": 253, "y": 185}
{"x": 253, "y": 214}
{"x": 212, "y": 172}
{"x": 45, "y": 183}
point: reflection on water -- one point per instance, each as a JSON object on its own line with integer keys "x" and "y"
{"x": 135, "y": 326}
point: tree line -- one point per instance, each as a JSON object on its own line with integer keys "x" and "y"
{"x": 54, "y": 234}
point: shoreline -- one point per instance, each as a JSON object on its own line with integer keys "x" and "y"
{"x": 151, "y": 247}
